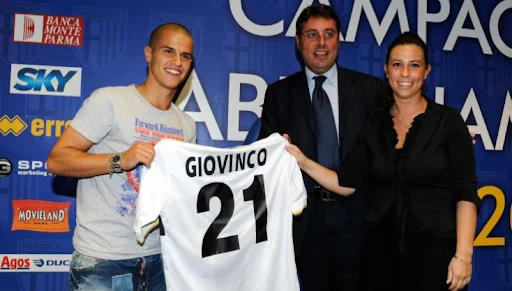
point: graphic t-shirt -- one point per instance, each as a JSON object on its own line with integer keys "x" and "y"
{"x": 227, "y": 214}
{"x": 113, "y": 119}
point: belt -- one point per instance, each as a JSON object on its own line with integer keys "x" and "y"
{"x": 325, "y": 195}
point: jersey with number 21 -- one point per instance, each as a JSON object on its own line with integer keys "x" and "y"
{"x": 227, "y": 214}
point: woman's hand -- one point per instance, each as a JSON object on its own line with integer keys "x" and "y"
{"x": 327, "y": 178}
{"x": 302, "y": 160}
{"x": 459, "y": 273}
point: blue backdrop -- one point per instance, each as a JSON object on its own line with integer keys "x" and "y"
{"x": 54, "y": 53}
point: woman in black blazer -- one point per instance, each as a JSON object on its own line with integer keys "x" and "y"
{"x": 417, "y": 157}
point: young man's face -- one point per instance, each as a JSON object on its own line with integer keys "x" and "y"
{"x": 318, "y": 44}
{"x": 170, "y": 58}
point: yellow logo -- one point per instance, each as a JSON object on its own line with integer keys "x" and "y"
{"x": 38, "y": 126}
{"x": 15, "y": 125}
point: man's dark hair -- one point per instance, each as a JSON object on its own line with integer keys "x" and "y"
{"x": 316, "y": 11}
{"x": 157, "y": 32}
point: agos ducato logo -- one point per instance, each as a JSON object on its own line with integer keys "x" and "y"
{"x": 41, "y": 263}
{"x": 10, "y": 263}
{"x": 46, "y": 80}
{"x": 35, "y": 262}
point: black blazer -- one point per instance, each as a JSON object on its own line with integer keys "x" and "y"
{"x": 439, "y": 168}
{"x": 287, "y": 109}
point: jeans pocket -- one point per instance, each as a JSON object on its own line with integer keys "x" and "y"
{"x": 122, "y": 283}
{"x": 80, "y": 261}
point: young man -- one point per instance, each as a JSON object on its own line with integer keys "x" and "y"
{"x": 329, "y": 234}
{"x": 109, "y": 139}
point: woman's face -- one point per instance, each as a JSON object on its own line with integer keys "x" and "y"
{"x": 406, "y": 71}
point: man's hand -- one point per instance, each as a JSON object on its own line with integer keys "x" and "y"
{"x": 139, "y": 152}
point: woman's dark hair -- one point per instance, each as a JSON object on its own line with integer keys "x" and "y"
{"x": 406, "y": 38}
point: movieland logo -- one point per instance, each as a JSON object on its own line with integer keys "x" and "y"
{"x": 14, "y": 125}
{"x": 41, "y": 216}
{"x": 45, "y": 80}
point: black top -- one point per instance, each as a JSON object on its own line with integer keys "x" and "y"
{"x": 434, "y": 170}
{"x": 402, "y": 200}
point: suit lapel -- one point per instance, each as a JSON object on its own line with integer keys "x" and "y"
{"x": 427, "y": 129}
{"x": 300, "y": 94}
{"x": 346, "y": 91}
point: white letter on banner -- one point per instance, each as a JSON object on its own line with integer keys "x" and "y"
{"x": 235, "y": 105}
{"x": 505, "y": 118}
{"x": 480, "y": 128}
{"x": 424, "y": 16}
{"x": 256, "y": 29}
{"x": 494, "y": 27}
{"x": 205, "y": 113}
{"x": 396, "y": 7}
{"x": 468, "y": 8}
{"x": 439, "y": 95}
{"x": 305, "y": 3}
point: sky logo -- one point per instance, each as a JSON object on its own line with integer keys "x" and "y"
{"x": 45, "y": 80}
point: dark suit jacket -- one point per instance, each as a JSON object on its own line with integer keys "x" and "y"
{"x": 439, "y": 168}
{"x": 287, "y": 109}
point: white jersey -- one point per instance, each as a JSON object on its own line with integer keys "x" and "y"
{"x": 227, "y": 214}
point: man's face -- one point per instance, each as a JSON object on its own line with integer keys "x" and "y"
{"x": 318, "y": 44}
{"x": 170, "y": 58}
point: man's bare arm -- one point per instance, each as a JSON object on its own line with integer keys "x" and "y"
{"x": 69, "y": 156}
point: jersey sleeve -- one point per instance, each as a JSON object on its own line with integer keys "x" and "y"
{"x": 298, "y": 189}
{"x": 152, "y": 196}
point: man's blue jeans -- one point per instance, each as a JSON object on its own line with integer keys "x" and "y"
{"x": 139, "y": 274}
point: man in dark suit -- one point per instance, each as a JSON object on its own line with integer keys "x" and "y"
{"x": 328, "y": 236}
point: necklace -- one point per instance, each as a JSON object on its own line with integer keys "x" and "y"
{"x": 406, "y": 124}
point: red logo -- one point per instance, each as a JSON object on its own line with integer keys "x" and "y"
{"x": 41, "y": 216}
{"x": 28, "y": 27}
{"x": 14, "y": 263}
{"x": 49, "y": 29}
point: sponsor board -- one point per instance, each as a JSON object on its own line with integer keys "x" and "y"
{"x": 45, "y": 80}
{"x": 40, "y": 216}
{"x": 105, "y": 37}
{"x": 38, "y": 126}
{"x": 5, "y": 167}
{"x": 34, "y": 262}
{"x": 14, "y": 125}
{"x": 31, "y": 168}
{"x": 48, "y": 29}
{"x": 17, "y": 52}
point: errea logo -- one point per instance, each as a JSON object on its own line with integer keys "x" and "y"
{"x": 14, "y": 125}
{"x": 38, "y": 126}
